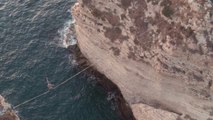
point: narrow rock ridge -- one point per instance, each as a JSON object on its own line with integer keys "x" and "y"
{"x": 158, "y": 52}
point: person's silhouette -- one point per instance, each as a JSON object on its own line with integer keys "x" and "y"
{"x": 49, "y": 85}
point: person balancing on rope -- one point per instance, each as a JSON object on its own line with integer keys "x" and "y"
{"x": 49, "y": 84}
{"x": 50, "y": 87}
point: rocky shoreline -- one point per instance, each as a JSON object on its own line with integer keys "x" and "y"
{"x": 6, "y": 112}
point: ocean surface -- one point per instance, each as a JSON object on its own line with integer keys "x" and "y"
{"x": 32, "y": 34}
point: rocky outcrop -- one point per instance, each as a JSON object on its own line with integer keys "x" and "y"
{"x": 6, "y": 113}
{"x": 145, "y": 112}
{"x": 158, "y": 52}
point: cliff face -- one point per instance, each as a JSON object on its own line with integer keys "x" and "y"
{"x": 158, "y": 52}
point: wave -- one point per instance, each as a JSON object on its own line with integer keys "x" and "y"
{"x": 2, "y": 6}
{"x": 67, "y": 34}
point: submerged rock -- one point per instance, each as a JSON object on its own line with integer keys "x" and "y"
{"x": 158, "y": 52}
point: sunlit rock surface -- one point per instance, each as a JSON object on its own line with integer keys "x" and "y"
{"x": 158, "y": 52}
{"x": 144, "y": 112}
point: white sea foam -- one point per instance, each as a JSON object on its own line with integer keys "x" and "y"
{"x": 67, "y": 34}
{"x": 2, "y": 7}
{"x": 73, "y": 61}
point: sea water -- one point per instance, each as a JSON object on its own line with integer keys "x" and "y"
{"x": 32, "y": 46}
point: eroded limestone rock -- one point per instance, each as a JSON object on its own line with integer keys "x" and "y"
{"x": 158, "y": 52}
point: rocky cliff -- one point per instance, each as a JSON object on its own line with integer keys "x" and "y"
{"x": 158, "y": 52}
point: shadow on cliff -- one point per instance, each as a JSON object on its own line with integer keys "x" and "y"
{"x": 122, "y": 107}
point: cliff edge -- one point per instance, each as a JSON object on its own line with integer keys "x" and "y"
{"x": 158, "y": 52}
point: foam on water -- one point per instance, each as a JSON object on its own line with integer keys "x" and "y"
{"x": 34, "y": 36}
{"x": 67, "y": 34}
{"x": 2, "y": 6}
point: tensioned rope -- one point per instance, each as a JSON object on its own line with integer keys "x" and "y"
{"x": 46, "y": 92}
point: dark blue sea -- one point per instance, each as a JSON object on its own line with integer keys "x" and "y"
{"x": 31, "y": 48}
